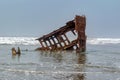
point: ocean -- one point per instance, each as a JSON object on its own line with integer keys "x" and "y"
{"x": 101, "y": 61}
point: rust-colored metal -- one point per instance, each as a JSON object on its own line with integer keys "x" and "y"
{"x": 58, "y": 40}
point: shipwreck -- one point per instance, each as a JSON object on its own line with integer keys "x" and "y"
{"x": 58, "y": 40}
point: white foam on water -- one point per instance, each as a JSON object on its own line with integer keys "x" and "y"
{"x": 32, "y": 41}
{"x": 18, "y": 40}
{"x": 102, "y": 41}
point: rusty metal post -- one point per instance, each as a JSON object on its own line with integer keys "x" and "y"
{"x": 59, "y": 41}
{"x": 66, "y": 38}
{"x": 53, "y": 40}
{"x": 47, "y": 47}
{"x": 41, "y": 44}
{"x": 80, "y": 23}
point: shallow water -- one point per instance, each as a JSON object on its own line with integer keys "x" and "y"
{"x": 99, "y": 62}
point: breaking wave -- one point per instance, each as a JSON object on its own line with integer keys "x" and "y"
{"x": 32, "y": 41}
{"x": 18, "y": 40}
{"x": 102, "y": 41}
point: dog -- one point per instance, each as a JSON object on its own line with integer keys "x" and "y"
{"x": 14, "y": 52}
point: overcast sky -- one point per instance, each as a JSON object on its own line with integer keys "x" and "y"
{"x": 38, "y": 17}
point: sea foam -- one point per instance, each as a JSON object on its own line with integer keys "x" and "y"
{"x": 18, "y": 40}
{"x": 103, "y": 41}
{"x": 32, "y": 41}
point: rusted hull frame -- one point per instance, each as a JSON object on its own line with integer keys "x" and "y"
{"x": 57, "y": 40}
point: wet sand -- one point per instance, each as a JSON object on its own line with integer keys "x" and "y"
{"x": 97, "y": 63}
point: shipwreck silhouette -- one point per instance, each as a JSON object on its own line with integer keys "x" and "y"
{"x": 58, "y": 40}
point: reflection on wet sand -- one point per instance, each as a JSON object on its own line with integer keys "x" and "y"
{"x": 77, "y": 71}
{"x": 71, "y": 68}
{"x": 80, "y": 68}
{"x": 57, "y": 55}
{"x": 81, "y": 58}
{"x": 16, "y": 56}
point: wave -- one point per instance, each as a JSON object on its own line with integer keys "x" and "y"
{"x": 103, "y": 41}
{"x": 18, "y": 40}
{"x": 32, "y": 41}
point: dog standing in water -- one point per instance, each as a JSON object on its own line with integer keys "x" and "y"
{"x": 14, "y": 52}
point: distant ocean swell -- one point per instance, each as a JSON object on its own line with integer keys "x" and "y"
{"x": 32, "y": 41}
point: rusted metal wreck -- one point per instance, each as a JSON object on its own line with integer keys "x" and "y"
{"x": 58, "y": 40}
